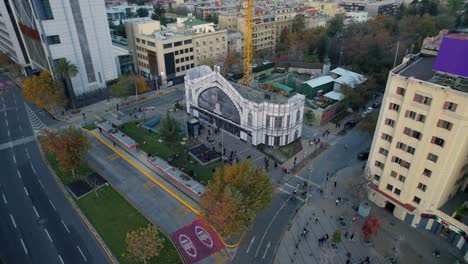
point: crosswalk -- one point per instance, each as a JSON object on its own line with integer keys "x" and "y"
{"x": 36, "y": 123}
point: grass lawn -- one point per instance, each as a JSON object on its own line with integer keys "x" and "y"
{"x": 90, "y": 126}
{"x": 113, "y": 217}
{"x": 174, "y": 153}
{"x": 67, "y": 177}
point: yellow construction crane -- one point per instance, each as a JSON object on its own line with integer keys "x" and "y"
{"x": 248, "y": 34}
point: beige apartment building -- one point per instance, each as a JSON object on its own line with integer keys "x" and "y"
{"x": 418, "y": 162}
{"x": 325, "y": 7}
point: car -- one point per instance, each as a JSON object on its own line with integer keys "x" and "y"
{"x": 367, "y": 112}
{"x": 375, "y": 105}
{"x": 266, "y": 62}
{"x": 350, "y": 124}
{"x": 363, "y": 155}
{"x": 255, "y": 65}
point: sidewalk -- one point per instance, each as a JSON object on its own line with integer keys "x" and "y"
{"x": 415, "y": 246}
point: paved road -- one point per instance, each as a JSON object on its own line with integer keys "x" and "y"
{"x": 260, "y": 243}
{"x": 172, "y": 97}
{"x": 37, "y": 223}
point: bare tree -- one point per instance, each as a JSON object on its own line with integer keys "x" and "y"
{"x": 396, "y": 247}
{"x": 360, "y": 188}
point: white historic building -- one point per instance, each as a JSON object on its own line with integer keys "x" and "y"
{"x": 255, "y": 116}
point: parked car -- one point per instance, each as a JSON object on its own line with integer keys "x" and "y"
{"x": 367, "y": 112}
{"x": 375, "y": 105}
{"x": 255, "y": 65}
{"x": 350, "y": 124}
{"x": 363, "y": 155}
{"x": 266, "y": 62}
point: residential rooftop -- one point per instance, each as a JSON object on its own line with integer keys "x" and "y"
{"x": 165, "y": 35}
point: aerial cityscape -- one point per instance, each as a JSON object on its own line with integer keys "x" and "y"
{"x": 225, "y": 131}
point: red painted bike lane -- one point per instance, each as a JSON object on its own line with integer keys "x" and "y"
{"x": 197, "y": 241}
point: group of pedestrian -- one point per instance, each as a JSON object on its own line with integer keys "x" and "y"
{"x": 326, "y": 133}
{"x": 338, "y": 200}
{"x": 322, "y": 240}
{"x": 338, "y": 125}
{"x": 351, "y": 237}
{"x": 304, "y": 232}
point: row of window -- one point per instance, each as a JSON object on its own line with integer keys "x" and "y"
{"x": 182, "y": 51}
{"x": 401, "y": 162}
{"x": 184, "y": 59}
{"x": 427, "y": 100}
{"x": 278, "y": 120}
{"x": 415, "y": 134}
{"x": 421, "y": 186}
{"x": 185, "y": 67}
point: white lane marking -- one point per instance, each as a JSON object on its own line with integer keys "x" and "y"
{"x": 32, "y": 167}
{"x": 11, "y": 144}
{"x": 24, "y": 246}
{"x": 290, "y": 193}
{"x": 13, "y": 220}
{"x": 19, "y": 174}
{"x": 61, "y": 260}
{"x": 8, "y": 132}
{"x": 48, "y": 235}
{"x": 269, "y": 225}
{"x": 316, "y": 185}
{"x": 52, "y": 205}
{"x": 35, "y": 211}
{"x": 4, "y": 199}
{"x": 266, "y": 250}
{"x": 6, "y": 120}
{"x": 81, "y": 252}
{"x": 40, "y": 183}
{"x": 251, "y": 242}
{"x": 66, "y": 228}
{"x": 26, "y": 191}
{"x": 27, "y": 153}
{"x": 14, "y": 158}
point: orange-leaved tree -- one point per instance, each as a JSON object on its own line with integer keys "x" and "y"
{"x": 44, "y": 91}
{"x": 371, "y": 227}
{"x": 142, "y": 86}
{"x": 69, "y": 146}
{"x": 234, "y": 197}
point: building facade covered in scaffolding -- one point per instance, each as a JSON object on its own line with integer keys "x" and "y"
{"x": 255, "y": 116}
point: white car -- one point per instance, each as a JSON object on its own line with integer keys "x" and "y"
{"x": 367, "y": 112}
{"x": 255, "y": 65}
{"x": 266, "y": 62}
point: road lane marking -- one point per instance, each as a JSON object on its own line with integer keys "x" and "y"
{"x": 251, "y": 242}
{"x": 19, "y": 174}
{"x": 53, "y": 206}
{"x": 24, "y": 246}
{"x": 269, "y": 225}
{"x": 266, "y": 250}
{"x": 40, "y": 183}
{"x": 6, "y": 120}
{"x": 4, "y": 199}
{"x": 26, "y": 191}
{"x": 35, "y": 211}
{"x": 48, "y": 235}
{"x": 290, "y": 193}
{"x": 316, "y": 185}
{"x": 61, "y": 260}
{"x": 81, "y": 252}
{"x": 32, "y": 167}
{"x": 13, "y": 220}
{"x": 8, "y": 131}
{"x": 66, "y": 228}
{"x": 14, "y": 158}
{"x": 27, "y": 152}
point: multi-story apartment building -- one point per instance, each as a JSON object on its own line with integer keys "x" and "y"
{"x": 75, "y": 30}
{"x": 10, "y": 38}
{"x": 373, "y": 7}
{"x": 326, "y": 7}
{"x": 119, "y": 13}
{"x": 418, "y": 161}
{"x": 166, "y": 53}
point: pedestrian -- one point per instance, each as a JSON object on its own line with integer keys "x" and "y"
{"x": 326, "y": 237}
{"x": 346, "y": 234}
{"x": 346, "y": 147}
{"x": 337, "y": 202}
{"x": 316, "y": 219}
{"x": 351, "y": 237}
{"x": 320, "y": 242}
{"x": 328, "y": 174}
{"x": 335, "y": 184}
{"x": 367, "y": 260}
{"x": 276, "y": 165}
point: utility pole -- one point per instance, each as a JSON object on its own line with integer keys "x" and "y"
{"x": 396, "y": 54}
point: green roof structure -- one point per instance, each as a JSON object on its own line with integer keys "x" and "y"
{"x": 194, "y": 22}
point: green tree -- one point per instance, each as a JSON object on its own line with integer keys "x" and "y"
{"x": 336, "y": 237}
{"x": 354, "y": 97}
{"x": 455, "y": 6}
{"x": 298, "y": 24}
{"x": 129, "y": 13}
{"x": 122, "y": 88}
{"x": 169, "y": 128}
{"x": 234, "y": 197}
{"x": 158, "y": 11}
{"x": 120, "y": 30}
{"x": 66, "y": 70}
{"x": 336, "y": 25}
{"x": 144, "y": 244}
{"x": 142, "y": 12}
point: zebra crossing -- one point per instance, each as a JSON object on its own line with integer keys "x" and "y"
{"x": 36, "y": 123}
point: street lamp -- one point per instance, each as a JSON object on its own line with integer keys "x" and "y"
{"x": 162, "y": 79}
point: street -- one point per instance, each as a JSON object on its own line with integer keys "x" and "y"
{"x": 37, "y": 222}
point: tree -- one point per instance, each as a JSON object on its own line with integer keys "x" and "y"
{"x": 371, "y": 227}
{"x": 169, "y": 128}
{"x": 120, "y": 30}
{"x": 129, "y": 13}
{"x": 360, "y": 187}
{"x": 336, "y": 25}
{"x": 455, "y": 6}
{"x": 158, "y": 11}
{"x": 368, "y": 124}
{"x": 298, "y": 24}
{"x": 142, "y": 12}
{"x": 121, "y": 89}
{"x": 144, "y": 244}
{"x": 309, "y": 117}
{"x": 336, "y": 237}
{"x": 93, "y": 182}
{"x": 234, "y": 197}
{"x": 353, "y": 98}
{"x": 68, "y": 145}
{"x": 230, "y": 60}
{"x": 66, "y": 70}
{"x": 142, "y": 85}
{"x": 44, "y": 91}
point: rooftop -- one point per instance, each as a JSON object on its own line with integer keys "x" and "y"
{"x": 164, "y": 34}
{"x": 194, "y": 22}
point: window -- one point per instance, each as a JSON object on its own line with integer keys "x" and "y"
{"x": 268, "y": 121}
{"x": 422, "y": 187}
{"x": 177, "y": 43}
{"x": 450, "y": 106}
{"x": 427, "y": 172}
{"x": 176, "y": 52}
{"x": 186, "y": 50}
{"x": 383, "y": 152}
{"x": 389, "y": 187}
{"x": 390, "y": 122}
{"x": 432, "y": 157}
{"x": 412, "y": 133}
{"x": 387, "y": 137}
{"x": 188, "y": 41}
{"x": 410, "y": 114}
{"x": 421, "y": 118}
{"x": 152, "y": 44}
{"x": 410, "y": 150}
{"x": 249, "y": 118}
{"x": 397, "y": 191}
{"x": 182, "y": 59}
{"x": 177, "y": 61}
{"x": 191, "y": 57}
{"x": 416, "y": 200}
{"x": 143, "y": 41}
{"x": 394, "y": 174}
{"x": 422, "y": 99}
{"x": 288, "y": 120}
{"x": 47, "y": 9}
{"x": 138, "y": 40}
{"x": 191, "y": 49}
{"x": 298, "y": 116}
{"x": 397, "y": 160}
{"x": 278, "y": 121}
{"x": 376, "y": 177}
{"x": 400, "y": 91}
{"x": 393, "y": 106}
{"x": 379, "y": 164}
{"x": 51, "y": 40}
{"x": 167, "y": 46}
{"x": 181, "y": 51}
{"x": 400, "y": 145}
{"x": 401, "y": 162}
{"x": 438, "y": 141}
{"x": 401, "y": 178}
{"x": 444, "y": 124}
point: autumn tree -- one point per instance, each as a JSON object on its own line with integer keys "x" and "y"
{"x": 234, "y": 197}
{"x": 144, "y": 244}
{"x": 371, "y": 227}
{"x": 142, "y": 85}
{"x": 121, "y": 89}
{"x": 44, "y": 91}
{"x": 169, "y": 128}
{"x": 231, "y": 59}
{"x": 68, "y": 145}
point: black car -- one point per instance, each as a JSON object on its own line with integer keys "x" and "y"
{"x": 363, "y": 155}
{"x": 350, "y": 124}
{"x": 375, "y": 105}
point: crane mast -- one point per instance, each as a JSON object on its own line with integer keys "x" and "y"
{"x": 248, "y": 28}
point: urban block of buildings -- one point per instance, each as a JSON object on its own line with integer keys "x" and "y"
{"x": 253, "y": 115}
{"x": 418, "y": 161}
